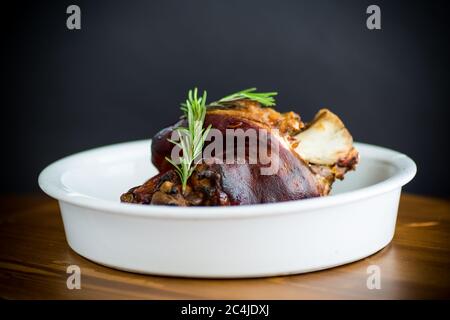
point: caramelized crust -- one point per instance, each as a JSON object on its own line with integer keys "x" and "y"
{"x": 288, "y": 123}
{"x": 310, "y": 158}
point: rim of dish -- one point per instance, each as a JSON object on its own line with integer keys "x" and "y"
{"x": 50, "y": 182}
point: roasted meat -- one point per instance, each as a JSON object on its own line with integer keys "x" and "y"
{"x": 305, "y": 162}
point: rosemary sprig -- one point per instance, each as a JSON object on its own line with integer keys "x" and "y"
{"x": 264, "y": 98}
{"x": 192, "y": 138}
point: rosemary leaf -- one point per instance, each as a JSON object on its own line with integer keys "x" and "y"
{"x": 264, "y": 98}
{"x": 192, "y": 137}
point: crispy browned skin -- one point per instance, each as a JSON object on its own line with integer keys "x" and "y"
{"x": 238, "y": 184}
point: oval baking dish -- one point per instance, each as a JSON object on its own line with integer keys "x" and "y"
{"x": 357, "y": 220}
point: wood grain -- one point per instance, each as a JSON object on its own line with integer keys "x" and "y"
{"x": 34, "y": 256}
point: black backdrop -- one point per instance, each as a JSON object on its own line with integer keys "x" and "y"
{"x": 123, "y": 74}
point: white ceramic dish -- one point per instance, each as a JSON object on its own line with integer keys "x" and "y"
{"x": 357, "y": 220}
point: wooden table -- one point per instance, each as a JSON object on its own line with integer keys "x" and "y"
{"x": 34, "y": 257}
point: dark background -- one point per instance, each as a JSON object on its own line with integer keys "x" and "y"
{"x": 123, "y": 74}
